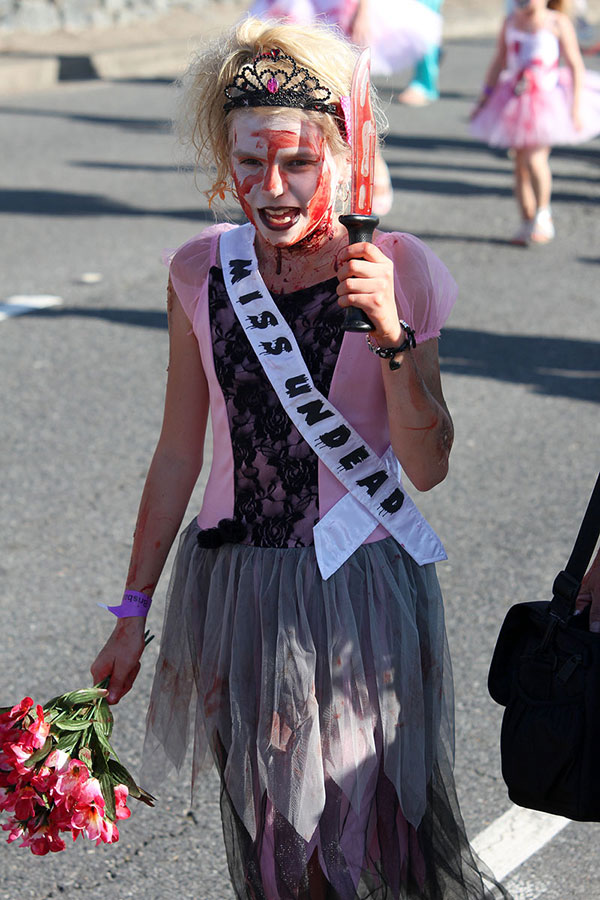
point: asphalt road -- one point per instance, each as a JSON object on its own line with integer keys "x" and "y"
{"x": 92, "y": 186}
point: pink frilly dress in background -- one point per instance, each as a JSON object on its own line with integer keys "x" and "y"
{"x": 402, "y": 31}
{"x": 532, "y": 101}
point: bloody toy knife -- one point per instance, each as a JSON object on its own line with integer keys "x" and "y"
{"x": 359, "y": 223}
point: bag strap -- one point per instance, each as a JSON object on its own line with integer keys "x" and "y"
{"x": 567, "y": 583}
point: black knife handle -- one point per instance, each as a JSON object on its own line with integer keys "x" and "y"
{"x": 359, "y": 228}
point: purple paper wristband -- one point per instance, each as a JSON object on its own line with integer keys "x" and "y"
{"x": 134, "y": 603}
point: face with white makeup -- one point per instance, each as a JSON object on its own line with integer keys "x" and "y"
{"x": 285, "y": 174}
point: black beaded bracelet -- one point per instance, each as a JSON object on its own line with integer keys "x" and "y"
{"x": 410, "y": 342}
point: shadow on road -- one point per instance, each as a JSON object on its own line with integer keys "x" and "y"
{"x": 126, "y": 123}
{"x": 69, "y": 203}
{"x": 128, "y": 166}
{"x": 433, "y": 143}
{"x": 456, "y": 187}
{"x": 560, "y": 367}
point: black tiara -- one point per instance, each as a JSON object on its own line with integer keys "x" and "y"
{"x": 265, "y": 82}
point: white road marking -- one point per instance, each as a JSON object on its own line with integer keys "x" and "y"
{"x": 526, "y": 890}
{"x": 20, "y": 304}
{"x": 90, "y": 278}
{"x": 514, "y": 837}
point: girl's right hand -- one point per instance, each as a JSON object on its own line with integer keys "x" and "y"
{"x": 119, "y": 659}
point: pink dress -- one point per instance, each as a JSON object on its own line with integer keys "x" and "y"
{"x": 531, "y": 103}
{"x": 326, "y": 704}
{"x": 401, "y": 31}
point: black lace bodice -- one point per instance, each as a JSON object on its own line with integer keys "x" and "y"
{"x": 275, "y": 475}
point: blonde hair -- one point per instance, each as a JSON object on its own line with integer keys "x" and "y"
{"x": 204, "y": 124}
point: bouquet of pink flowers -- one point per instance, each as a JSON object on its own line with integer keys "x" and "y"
{"x": 59, "y": 772}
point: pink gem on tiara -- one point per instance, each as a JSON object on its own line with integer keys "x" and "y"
{"x": 272, "y": 85}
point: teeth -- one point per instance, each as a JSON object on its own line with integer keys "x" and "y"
{"x": 281, "y": 216}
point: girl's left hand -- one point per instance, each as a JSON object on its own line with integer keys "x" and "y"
{"x": 366, "y": 277}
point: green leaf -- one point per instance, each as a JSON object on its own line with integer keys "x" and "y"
{"x": 103, "y": 741}
{"x": 79, "y": 698}
{"x": 40, "y": 754}
{"x": 108, "y": 792}
{"x": 53, "y": 705}
{"x": 120, "y": 775}
{"x": 99, "y": 753}
{"x": 104, "y": 717}
{"x": 85, "y": 755}
{"x": 64, "y": 722}
{"x": 5, "y": 709}
{"x": 67, "y": 741}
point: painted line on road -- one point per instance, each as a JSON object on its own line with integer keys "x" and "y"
{"x": 21, "y": 304}
{"x": 525, "y": 890}
{"x": 514, "y": 837}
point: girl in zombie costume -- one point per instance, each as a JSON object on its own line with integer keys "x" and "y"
{"x": 303, "y": 646}
{"x": 530, "y": 104}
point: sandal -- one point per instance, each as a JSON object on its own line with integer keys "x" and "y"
{"x": 543, "y": 227}
{"x": 522, "y": 236}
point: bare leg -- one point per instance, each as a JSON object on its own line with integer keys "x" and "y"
{"x": 541, "y": 176}
{"x": 524, "y": 190}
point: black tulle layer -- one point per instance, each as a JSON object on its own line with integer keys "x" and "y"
{"x": 327, "y": 707}
{"x": 440, "y": 864}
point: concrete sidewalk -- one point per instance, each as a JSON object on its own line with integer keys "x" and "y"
{"x": 162, "y": 46}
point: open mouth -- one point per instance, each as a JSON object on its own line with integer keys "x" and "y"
{"x": 279, "y": 219}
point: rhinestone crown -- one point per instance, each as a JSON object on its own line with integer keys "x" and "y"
{"x": 275, "y": 79}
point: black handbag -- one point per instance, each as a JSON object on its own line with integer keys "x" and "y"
{"x": 546, "y": 671}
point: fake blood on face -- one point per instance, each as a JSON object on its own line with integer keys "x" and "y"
{"x": 284, "y": 175}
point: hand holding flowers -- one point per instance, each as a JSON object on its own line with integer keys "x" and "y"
{"x": 59, "y": 773}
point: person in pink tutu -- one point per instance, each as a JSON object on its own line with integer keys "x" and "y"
{"x": 529, "y": 104}
{"x": 399, "y": 35}
{"x": 303, "y": 647}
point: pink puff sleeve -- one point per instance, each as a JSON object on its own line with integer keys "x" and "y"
{"x": 425, "y": 289}
{"x": 190, "y": 264}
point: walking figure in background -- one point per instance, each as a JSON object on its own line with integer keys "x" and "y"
{"x": 304, "y": 633}
{"x": 399, "y": 35}
{"x": 530, "y": 104}
{"x": 424, "y": 86}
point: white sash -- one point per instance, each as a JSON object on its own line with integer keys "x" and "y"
{"x": 375, "y": 494}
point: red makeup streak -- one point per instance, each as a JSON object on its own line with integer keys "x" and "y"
{"x": 430, "y": 427}
{"x": 315, "y": 238}
{"x": 282, "y": 138}
{"x": 322, "y": 197}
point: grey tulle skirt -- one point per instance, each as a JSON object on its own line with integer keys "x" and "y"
{"x": 327, "y": 707}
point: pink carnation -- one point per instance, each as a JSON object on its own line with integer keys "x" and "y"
{"x": 72, "y": 779}
{"x": 39, "y": 729}
{"x": 88, "y": 814}
{"x": 43, "y": 840}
